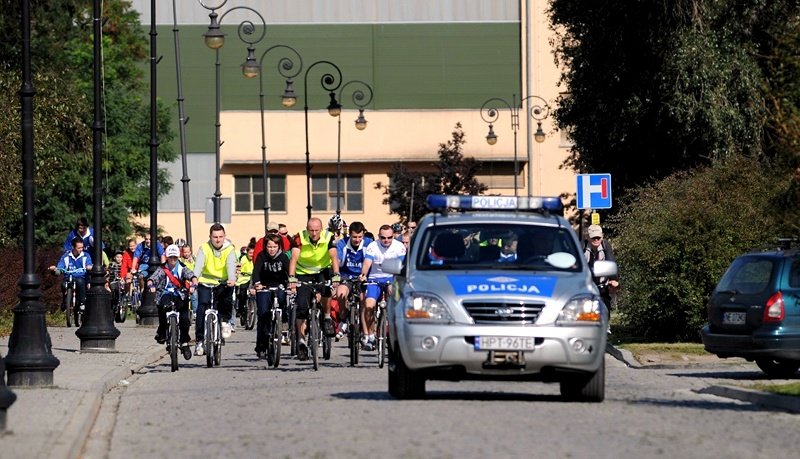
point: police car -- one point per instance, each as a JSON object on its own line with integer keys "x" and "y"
{"x": 496, "y": 287}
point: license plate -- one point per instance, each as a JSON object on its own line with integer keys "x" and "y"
{"x": 504, "y": 343}
{"x": 734, "y": 318}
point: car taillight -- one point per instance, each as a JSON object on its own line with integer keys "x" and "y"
{"x": 774, "y": 310}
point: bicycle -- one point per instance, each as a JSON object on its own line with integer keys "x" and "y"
{"x": 119, "y": 301}
{"x": 213, "y": 339}
{"x": 313, "y": 331}
{"x": 291, "y": 314}
{"x": 354, "y": 328}
{"x": 173, "y": 331}
{"x": 381, "y": 324}
{"x": 246, "y": 313}
{"x": 274, "y": 327}
{"x": 73, "y": 311}
{"x": 136, "y": 294}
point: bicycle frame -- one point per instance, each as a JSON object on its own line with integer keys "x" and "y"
{"x": 213, "y": 329}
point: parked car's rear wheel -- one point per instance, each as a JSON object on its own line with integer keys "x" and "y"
{"x": 778, "y": 368}
{"x": 404, "y": 383}
{"x": 586, "y": 389}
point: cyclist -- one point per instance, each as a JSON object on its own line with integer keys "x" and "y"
{"x": 273, "y": 228}
{"x": 215, "y": 264}
{"x": 313, "y": 260}
{"x": 350, "y": 252}
{"x": 173, "y": 282}
{"x": 243, "y": 276}
{"x": 79, "y": 262}
{"x": 271, "y": 269}
{"x": 126, "y": 269}
{"x": 385, "y": 248}
{"x": 83, "y": 231}
{"x": 143, "y": 253}
{"x": 187, "y": 259}
{"x": 114, "y": 279}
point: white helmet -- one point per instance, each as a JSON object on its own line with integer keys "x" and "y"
{"x": 172, "y": 251}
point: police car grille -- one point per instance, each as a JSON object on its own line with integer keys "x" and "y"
{"x": 503, "y": 313}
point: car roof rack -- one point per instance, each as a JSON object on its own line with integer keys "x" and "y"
{"x": 542, "y": 204}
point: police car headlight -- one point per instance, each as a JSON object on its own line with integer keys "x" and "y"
{"x": 583, "y": 309}
{"x": 426, "y": 308}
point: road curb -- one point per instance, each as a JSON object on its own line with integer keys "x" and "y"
{"x": 75, "y": 434}
{"x": 781, "y": 402}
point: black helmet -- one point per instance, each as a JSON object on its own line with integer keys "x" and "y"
{"x": 335, "y": 223}
{"x": 397, "y": 228}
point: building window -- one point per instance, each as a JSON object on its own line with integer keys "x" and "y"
{"x": 351, "y": 194}
{"x": 500, "y": 175}
{"x": 249, "y": 193}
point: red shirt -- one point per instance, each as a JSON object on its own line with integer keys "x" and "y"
{"x": 260, "y": 245}
{"x": 127, "y": 263}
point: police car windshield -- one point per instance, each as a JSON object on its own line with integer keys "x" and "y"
{"x": 494, "y": 246}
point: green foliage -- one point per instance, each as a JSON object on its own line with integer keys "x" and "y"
{"x": 454, "y": 174}
{"x": 62, "y": 59}
{"x": 674, "y": 240}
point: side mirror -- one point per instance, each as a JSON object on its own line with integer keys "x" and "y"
{"x": 603, "y": 268}
{"x": 394, "y": 266}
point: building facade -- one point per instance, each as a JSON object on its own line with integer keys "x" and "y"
{"x": 430, "y": 65}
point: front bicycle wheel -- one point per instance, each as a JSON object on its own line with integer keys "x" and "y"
{"x": 313, "y": 336}
{"x": 380, "y": 337}
{"x": 122, "y": 308}
{"x": 292, "y": 326}
{"x": 326, "y": 347}
{"x": 208, "y": 341}
{"x": 70, "y": 304}
{"x": 172, "y": 339}
{"x": 354, "y": 333}
{"x": 218, "y": 344}
{"x": 274, "y": 344}
{"x": 250, "y": 322}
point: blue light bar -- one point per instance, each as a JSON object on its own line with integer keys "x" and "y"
{"x": 469, "y": 202}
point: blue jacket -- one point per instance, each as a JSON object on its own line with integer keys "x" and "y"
{"x": 88, "y": 240}
{"x": 79, "y": 265}
{"x": 350, "y": 260}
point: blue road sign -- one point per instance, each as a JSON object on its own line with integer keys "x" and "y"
{"x": 594, "y": 191}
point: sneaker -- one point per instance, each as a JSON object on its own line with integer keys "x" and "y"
{"x": 198, "y": 349}
{"x": 365, "y": 344}
{"x": 186, "y": 351}
{"x": 342, "y": 331}
{"x": 226, "y": 330}
{"x": 160, "y": 339}
{"x": 233, "y": 328}
{"x": 285, "y": 338}
{"x": 328, "y": 328}
{"x": 302, "y": 350}
{"x": 262, "y": 355}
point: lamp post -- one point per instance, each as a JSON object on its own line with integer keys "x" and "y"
{"x": 330, "y": 83}
{"x": 490, "y": 112}
{"x": 286, "y": 68}
{"x": 182, "y": 120}
{"x": 215, "y": 39}
{"x": 97, "y": 332}
{"x": 30, "y": 361}
{"x": 148, "y": 312}
{"x": 360, "y": 100}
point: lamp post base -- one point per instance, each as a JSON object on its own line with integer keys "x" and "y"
{"x": 148, "y": 311}
{"x": 97, "y": 331}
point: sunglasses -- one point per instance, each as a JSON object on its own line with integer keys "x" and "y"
{"x": 386, "y": 237}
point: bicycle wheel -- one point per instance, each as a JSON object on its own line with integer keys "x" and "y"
{"x": 292, "y": 329}
{"x": 208, "y": 341}
{"x": 274, "y": 345}
{"x": 313, "y": 336}
{"x": 251, "y": 314}
{"x": 218, "y": 344}
{"x": 380, "y": 337}
{"x": 172, "y": 339}
{"x": 354, "y": 333}
{"x": 78, "y": 315}
{"x": 122, "y": 308}
{"x": 70, "y": 304}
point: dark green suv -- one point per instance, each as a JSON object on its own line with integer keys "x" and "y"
{"x": 754, "y": 312}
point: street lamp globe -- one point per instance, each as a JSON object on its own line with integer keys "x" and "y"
{"x": 214, "y": 37}
{"x": 334, "y": 108}
{"x": 251, "y": 68}
{"x": 289, "y": 99}
{"x": 491, "y": 137}
{"x": 361, "y": 122}
{"x": 539, "y": 134}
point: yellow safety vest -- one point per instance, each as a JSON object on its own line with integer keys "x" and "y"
{"x": 313, "y": 257}
{"x": 215, "y": 268}
{"x": 246, "y": 272}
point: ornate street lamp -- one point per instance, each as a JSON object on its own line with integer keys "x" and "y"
{"x": 538, "y": 111}
{"x": 330, "y": 83}
{"x": 286, "y": 67}
{"x": 215, "y": 39}
{"x": 182, "y": 120}
{"x": 148, "y": 311}
{"x": 361, "y": 100}
{"x": 97, "y": 332}
{"x": 30, "y": 361}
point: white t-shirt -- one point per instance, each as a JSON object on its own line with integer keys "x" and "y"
{"x": 376, "y": 252}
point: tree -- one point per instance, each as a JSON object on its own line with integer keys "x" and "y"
{"x": 453, "y": 174}
{"x": 62, "y": 41}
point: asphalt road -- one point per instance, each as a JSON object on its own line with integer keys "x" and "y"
{"x": 243, "y": 409}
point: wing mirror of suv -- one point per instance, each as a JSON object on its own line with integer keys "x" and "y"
{"x": 394, "y": 266}
{"x": 603, "y": 268}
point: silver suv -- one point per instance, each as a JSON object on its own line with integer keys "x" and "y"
{"x": 496, "y": 287}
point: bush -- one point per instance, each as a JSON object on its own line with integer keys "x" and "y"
{"x": 674, "y": 240}
{"x": 11, "y": 270}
